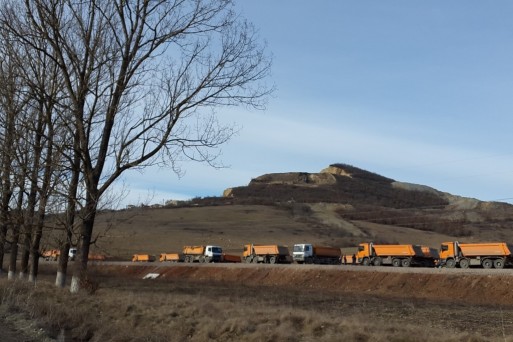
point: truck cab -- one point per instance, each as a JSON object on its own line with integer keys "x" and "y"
{"x": 302, "y": 252}
{"x": 248, "y": 250}
{"x": 214, "y": 253}
{"x": 448, "y": 250}
{"x": 72, "y": 253}
{"x": 364, "y": 253}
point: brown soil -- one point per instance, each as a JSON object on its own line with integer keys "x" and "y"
{"x": 469, "y": 288}
{"x": 233, "y": 302}
{"x": 462, "y": 303}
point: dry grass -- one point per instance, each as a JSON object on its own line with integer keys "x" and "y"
{"x": 136, "y": 310}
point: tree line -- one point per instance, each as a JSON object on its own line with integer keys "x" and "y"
{"x": 91, "y": 89}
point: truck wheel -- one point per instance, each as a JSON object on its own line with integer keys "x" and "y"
{"x": 272, "y": 260}
{"x": 255, "y": 259}
{"x": 450, "y": 263}
{"x": 201, "y": 259}
{"x": 487, "y": 263}
{"x": 366, "y": 262}
{"x": 247, "y": 260}
{"x": 377, "y": 261}
{"x": 406, "y": 263}
{"x": 498, "y": 263}
{"x": 464, "y": 263}
{"x": 396, "y": 262}
{"x": 308, "y": 261}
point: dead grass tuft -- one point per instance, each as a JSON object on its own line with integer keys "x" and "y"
{"x": 165, "y": 311}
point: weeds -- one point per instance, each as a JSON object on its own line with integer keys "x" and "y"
{"x": 134, "y": 310}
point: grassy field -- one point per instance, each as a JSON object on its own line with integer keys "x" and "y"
{"x": 155, "y": 231}
{"x": 125, "y": 308}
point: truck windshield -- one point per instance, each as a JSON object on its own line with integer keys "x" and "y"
{"x": 298, "y": 248}
{"x": 217, "y": 250}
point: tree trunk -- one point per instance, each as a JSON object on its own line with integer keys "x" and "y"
{"x": 86, "y": 231}
{"x": 34, "y": 250}
{"x": 43, "y": 201}
{"x": 17, "y": 225}
{"x": 62, "y": 268}
{"x": 4, "y": 214}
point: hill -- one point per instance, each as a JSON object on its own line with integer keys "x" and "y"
{"x": 340, "y": 206}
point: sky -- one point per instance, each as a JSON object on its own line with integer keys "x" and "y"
{"x": 417, "y": 91}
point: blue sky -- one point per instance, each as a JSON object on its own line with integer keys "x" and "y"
{"x": 418, "y": 91}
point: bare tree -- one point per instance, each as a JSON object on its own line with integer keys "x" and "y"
{"x": 20, "y": 172}
{"x": 70, "y": 212}
{"x": 12, "y": 105}
{"x": 144, "y": 80}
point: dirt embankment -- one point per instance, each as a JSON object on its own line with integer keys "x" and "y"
{"x": 465, "y": 288}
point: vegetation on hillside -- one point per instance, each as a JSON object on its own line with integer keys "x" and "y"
{"x": 362, "y": 188}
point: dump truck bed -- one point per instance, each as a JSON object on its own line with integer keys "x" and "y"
{"x": 194, "y": 250}
{"x": 270, "y": 250}
{"x": 485, "y": 249}
{"x": 51, "y": 253}
{"x": 143, "y": 257}
{"x": 430, "y": 252}
{"x": 96, "y": 257}
{"x": 398, "y": 250}
{"x": 169, "y": 257}
{"x": 326, "y": 251}
{"x": 231, "y": 258}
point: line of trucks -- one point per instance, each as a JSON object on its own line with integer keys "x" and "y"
{"x": 451, "y": 254}
{"x": 53, "y": 255}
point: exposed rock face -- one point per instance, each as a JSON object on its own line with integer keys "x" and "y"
{"x": 322, "y": 178}
{"x": 336, "y": 170}
{"x": 295, "y": 178}
{"x": 343, "y": 183}
{"x": 291, "y": 178}
{"x": 228, "y": 192}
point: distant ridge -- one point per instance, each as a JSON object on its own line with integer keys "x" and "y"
{"x": 338, "y": 183}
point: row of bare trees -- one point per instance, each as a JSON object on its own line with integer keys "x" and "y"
{"x": 91, "y": 89}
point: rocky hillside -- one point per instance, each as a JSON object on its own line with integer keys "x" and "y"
{"x": 359, "y": 195}
{"x": 340, "y": 206}
{"x": 341, "y": 183}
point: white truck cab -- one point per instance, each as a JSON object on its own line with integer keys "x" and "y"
{"x": 213, "y": 252}
{"x": 72, "y": 253}
{"x": 302, "y": 252}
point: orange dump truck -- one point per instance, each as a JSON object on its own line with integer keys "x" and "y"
{"x": 487, "y": 255}
{"x": 310, "y": 254}
{"x": 395, "y": 255}
{"x": 268, "y": 254}
{"x": 96, "y": 257}
{"x": 206, "y": 253}
{"x": 231, "y": 258}
{"x": 52, "y": 254}
{"x": 173, "y": 257}
{"x": 143, "y": 257}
